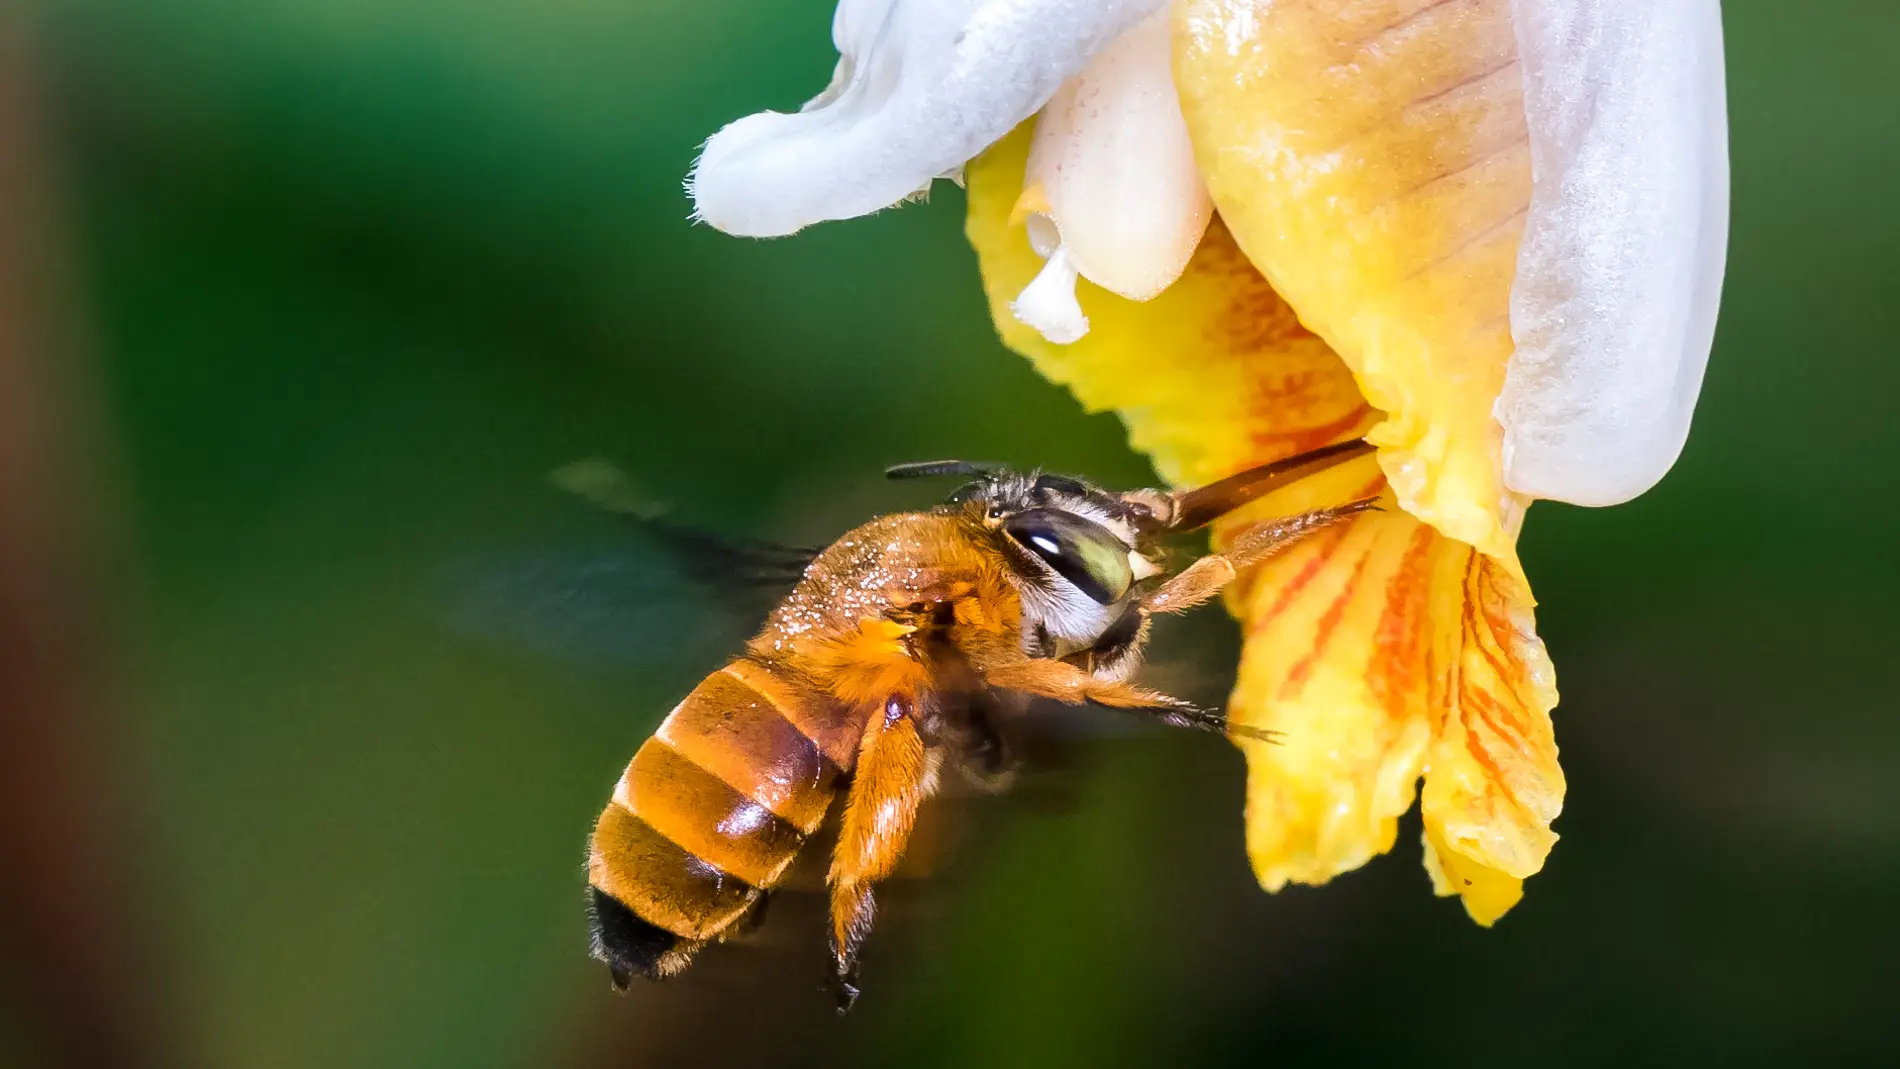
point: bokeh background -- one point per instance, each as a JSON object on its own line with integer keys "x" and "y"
{"x": 320, "y": 291}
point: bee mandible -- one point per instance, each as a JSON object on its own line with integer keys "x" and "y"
{"x": 861, "y": 681}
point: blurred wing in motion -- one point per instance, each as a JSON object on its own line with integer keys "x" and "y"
{"x": 637, "y": 589}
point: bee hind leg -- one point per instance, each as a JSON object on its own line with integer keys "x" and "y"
{"x": 895, "y": 772}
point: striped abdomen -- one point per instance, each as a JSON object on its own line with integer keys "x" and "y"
{"x": 712, "y": 810}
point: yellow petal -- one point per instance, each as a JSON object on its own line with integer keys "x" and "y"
{"x": 1340, "y": 657}
{"x": 1381, "y": 651}
{"x": 1351, "y": 637}
{"x": 1493, "y": 784}
{"x": 1372, "y": 160}
{"x": 1487, "y": 893}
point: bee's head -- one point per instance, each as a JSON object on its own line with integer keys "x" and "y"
{"x": 1079, "y": 548}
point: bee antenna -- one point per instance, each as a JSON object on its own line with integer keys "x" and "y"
{"x": 925, "y": 469}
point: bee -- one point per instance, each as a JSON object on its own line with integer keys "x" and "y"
{"x": 878, "y": 664}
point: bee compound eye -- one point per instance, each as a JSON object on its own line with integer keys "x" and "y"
{"x": 1091, "y": 557}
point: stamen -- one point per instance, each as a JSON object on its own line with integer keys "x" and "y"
{"x": 1048, "y": 303}
{"x": 1112, "y": 180}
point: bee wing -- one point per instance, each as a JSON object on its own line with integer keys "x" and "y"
{"x": 633, "y": 587}
{"x": 605, "y": 604}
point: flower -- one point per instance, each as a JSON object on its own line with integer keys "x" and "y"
{"x": 1487, "y": 234}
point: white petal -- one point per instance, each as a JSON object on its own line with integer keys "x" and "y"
{"x": 922, "y": 86}
{"x": 1117, "y": 169}
{"x": 1620, "y": 270}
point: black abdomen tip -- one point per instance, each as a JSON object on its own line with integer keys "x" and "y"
{"x": 630, "y": 945}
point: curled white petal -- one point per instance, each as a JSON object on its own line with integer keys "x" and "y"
{"x": 921, "y": 87}
{"x": 1620, "y": 271}
{"x": 1116, "y": 167}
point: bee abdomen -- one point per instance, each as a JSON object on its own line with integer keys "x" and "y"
{"x": 711, "y": 811}
{"x": 768, "y": 739}
{"x": 707, "y": 818}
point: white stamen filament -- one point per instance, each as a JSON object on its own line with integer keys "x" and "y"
{"x": 1048, "y": 303}
{"x": 1113, "y": 191}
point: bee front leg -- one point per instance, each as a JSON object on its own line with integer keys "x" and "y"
{"x": 895, "y": 772}
{"x": 1205, "y": 577}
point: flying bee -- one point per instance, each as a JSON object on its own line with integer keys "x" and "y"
{"x": 888, "y": 655}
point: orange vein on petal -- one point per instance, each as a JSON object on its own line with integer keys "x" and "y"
{"x": 1323, "y": 632}
{"x": 1495, "y": 785}
{"x": 1328, "y": 797}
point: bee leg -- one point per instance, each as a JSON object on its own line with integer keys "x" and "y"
{"x": 1066, "y": 682}
{"x": 975, "y": 743}
{"x": 894, "y": 774}
{"x": 984, "y": 757}
{"x": 1070, "y": 684}
{"x": 1205, "y": 577}
{"x": 751, "y": 921}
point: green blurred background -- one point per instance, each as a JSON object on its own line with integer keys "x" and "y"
{"x": 353, "y": 276}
